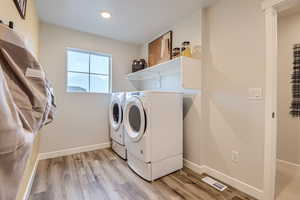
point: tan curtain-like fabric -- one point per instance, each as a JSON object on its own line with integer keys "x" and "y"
{"x": 26, "y": 105}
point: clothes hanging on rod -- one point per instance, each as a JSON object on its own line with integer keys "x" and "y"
{"x": 10, "y": 24}
{"x": 295, "y": 105}
{"x": 26, "y": 105}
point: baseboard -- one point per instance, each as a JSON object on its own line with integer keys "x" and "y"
{"x": 248, "y": 189}
{"x": 288, "y": 163}
{"x": 244, "y": 187}
{"x": 71, "y": 151}
{"x": 30, "y": 182}
{"x": 193, "y": 166}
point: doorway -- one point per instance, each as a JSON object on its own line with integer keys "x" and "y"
{"x": 274, "y": 9}
{"x": 288, "y": 124}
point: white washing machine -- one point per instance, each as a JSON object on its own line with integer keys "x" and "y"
{"x": 116, "y": 123}
{"x": 153, "y": 122}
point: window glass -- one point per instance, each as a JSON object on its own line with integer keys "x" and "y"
{"x": 116, "y": 113}
{"x": 78, "y": 62}
{"x": 78, "y": 82}
{"x": 88, "y": 72}
{"x": 99, "y": 83}
{"x": 100, "y": 64}
{"x": 135, "y": 118}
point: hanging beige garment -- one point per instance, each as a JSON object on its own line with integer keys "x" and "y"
{"x": 26, "y": 104}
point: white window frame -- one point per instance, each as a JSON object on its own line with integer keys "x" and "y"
{"x": 90, "y": 53}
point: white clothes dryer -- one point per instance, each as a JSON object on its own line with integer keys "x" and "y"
{"x": 116, "y": 124}
{"x": 153, "y": 122}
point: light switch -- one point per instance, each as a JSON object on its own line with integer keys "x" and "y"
{"x": 255, "y": 93}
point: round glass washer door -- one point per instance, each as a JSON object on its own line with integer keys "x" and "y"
{"x": 135, "y": 119}
{"x": 115, "y": 114}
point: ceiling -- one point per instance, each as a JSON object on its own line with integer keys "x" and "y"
{"x": 133, "y": 21}
{"x": 291, "y": 11}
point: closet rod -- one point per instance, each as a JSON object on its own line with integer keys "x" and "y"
{"x": 10, "y": 24}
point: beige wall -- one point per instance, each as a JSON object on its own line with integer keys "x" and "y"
{"x": 190, "y": 29}
{"x": 288, "y": 127}
{"x": 81, "y": 119}
{"x": 222, "y": 119}
{"x": 29, "y": 28}
{"x": 187, "y": 29}
{"x": 29, "y": 31}
{"x": 234, "y": 47}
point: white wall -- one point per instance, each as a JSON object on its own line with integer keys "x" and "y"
{"x": 288, "y": 127}
{"x": 234, "y": 44}
{"x": 81, "y": 119}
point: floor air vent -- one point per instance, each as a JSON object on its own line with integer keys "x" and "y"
{"x": 212, "y": 182}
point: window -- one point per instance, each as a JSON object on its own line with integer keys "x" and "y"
{"x": 88, "y": 72}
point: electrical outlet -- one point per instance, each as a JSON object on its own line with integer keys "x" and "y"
{"x": 235, "y": 156}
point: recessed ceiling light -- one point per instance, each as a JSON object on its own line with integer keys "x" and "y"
{"x": 105, "y": 15}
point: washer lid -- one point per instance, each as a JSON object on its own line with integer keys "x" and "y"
{"x": 115, "y": 114}
{"x": 135, "y": 119}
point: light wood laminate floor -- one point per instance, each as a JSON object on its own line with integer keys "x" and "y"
{"x": 102, "y": 175}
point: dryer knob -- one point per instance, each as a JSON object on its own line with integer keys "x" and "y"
{"x": 141, "y": 151}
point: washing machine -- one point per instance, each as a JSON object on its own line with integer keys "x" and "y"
{"x": 153, "y": 122}
{"x": 116, "y": 124}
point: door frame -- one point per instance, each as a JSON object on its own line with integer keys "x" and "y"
{"x": 271, "y": 9}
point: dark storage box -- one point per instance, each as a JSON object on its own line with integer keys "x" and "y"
{"x": 138, "y": 64}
